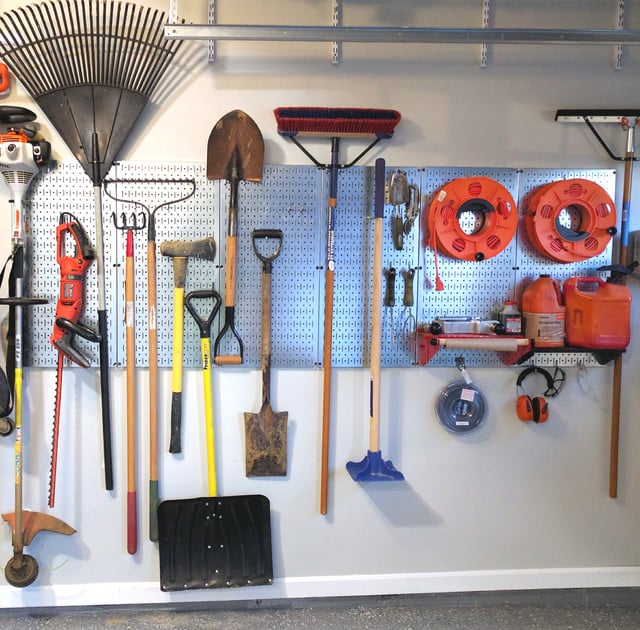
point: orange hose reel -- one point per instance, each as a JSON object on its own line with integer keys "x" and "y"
{"x": 590, "y": 210}
{"x": 495, "y": 218}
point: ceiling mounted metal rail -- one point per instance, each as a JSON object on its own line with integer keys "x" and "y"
{"x": 403, "y": 35}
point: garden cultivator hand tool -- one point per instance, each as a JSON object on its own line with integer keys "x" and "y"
{"x": 134, "y": 223}
{"x": 333, "y": 123}
{"x": 373, "y": 467}
{"x": 628, "y": 120}
{"x": 73, "y": 270}
{"x": 204, "y": 326}
{"x": 152, "y": 322}
{"x": 180, "y": 252}
{"x": 92, "y": 66}
{"x": 266, "y": 431}
{"x": 235, "y": 152}
{"x": 21, "y": 159}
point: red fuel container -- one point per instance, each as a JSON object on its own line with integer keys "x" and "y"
{"x": 598, "y": 313}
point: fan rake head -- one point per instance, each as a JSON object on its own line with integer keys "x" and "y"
{"x": 91, "y": 65}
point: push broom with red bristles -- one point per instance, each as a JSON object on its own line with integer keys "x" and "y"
{"x": 334, "y": 123}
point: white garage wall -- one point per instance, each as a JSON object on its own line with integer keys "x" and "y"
{"x": 513, "y": 506}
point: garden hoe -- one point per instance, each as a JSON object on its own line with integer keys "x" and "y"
{"x": 373, "y": 467}
{"x": 627, "y": 120}
{"x": 266, "y": 431}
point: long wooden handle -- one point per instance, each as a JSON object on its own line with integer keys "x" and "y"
{"x": 231, "y": 271}
{"x": 326, "y": 396}
{"x": 154, "y": 497}
{"x": 617, "y": 364}
{"x": 132, "y": 518}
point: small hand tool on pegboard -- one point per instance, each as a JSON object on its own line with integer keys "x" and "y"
{"x": 73, "y": 268}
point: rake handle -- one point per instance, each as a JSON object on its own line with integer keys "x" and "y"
{"x": 132, "y": 517}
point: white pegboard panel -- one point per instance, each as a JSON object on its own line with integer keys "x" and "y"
{"x": 293, "y": 199}
{"x": 65, "y": 188}
{"x": 194, "y": 218}
{"x": 288, "y": 199}
{"x": 470, "y": 288}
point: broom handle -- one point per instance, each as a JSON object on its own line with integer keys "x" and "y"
{"x": 328, "y": 323}
{"x": 376, "y": 309}
{"x": 617, "y": 364}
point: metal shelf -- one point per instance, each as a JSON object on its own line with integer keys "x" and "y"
{"x": 403, "y": 35}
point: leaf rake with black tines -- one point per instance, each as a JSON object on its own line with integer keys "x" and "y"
{"x": 92, "y": 66}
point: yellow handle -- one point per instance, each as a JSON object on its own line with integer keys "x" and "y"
{"x": 205, "y": 345}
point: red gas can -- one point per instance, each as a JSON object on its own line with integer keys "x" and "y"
{"x": 598, "y": 313}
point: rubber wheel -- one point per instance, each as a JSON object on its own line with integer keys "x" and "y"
{"x": 6, "y": 426}
{"x": 21, "y": 570}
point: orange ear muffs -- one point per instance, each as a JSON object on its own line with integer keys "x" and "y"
{"x": 524, "y": 408}
{"x": 536, "y": 408}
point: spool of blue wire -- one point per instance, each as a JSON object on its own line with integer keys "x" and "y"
{"x": 461, "y": 407}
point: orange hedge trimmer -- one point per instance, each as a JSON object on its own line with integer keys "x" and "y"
{"x": 68, "y": 310}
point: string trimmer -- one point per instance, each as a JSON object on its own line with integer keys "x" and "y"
{"x": 21, "y": 158}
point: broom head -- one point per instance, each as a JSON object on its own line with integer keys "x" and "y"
{"x": 336, "y": 121}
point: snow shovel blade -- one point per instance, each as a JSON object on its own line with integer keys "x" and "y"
{"x": 266, "y": 442}
{"x": 215, "y": 542}
{"x": 235, "y": 150}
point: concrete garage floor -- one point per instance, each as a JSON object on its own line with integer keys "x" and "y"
{"x": 578, "y": 609}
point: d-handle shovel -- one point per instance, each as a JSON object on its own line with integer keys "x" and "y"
{"x": 266, "y": 431}
{"x": 204, "y": 325}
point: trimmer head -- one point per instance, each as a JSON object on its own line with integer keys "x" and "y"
{"x": 374, "y": 468}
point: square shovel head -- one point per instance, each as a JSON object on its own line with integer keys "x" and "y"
{"x": 266, "y": 442}
{"x": 215, "y": 542}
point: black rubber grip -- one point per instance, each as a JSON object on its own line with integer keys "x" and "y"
{"x": 176, "y": 421}
{"x": 105, "y": 400}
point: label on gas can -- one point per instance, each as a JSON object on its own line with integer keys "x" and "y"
{"x": 546, "y": 329}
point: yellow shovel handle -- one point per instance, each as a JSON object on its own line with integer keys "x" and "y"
{"x": 205, "y": 345}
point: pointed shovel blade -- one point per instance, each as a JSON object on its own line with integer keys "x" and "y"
{"x": 266, "y": 443}
{"x": 235, "y": 150}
